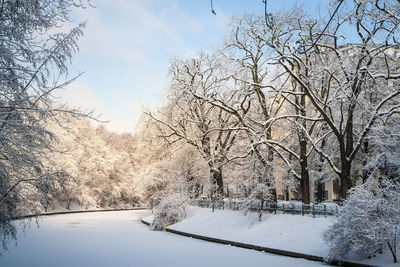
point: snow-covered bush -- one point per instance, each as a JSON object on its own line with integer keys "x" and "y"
{"x": 170, "y": 210}
{"x": 368, "y": 223}
{"x": 262, "y": 189}
{"x": 260, "y": 194}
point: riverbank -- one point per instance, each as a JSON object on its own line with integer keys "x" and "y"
{"x": 295, "y": 233}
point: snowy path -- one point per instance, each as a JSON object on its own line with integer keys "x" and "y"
{"x": 119, "y": 239}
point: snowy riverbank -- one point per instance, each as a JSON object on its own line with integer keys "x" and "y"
{"x": 295, "y": 233}
{"x": 288, "y": 232}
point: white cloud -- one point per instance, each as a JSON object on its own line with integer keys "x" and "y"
{"x": 78, "y": 95}
{"x": 128, "y": 29}
{"x": 126, "y": 50}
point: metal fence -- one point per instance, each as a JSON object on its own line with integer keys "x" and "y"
{"x": 282, "y": 208}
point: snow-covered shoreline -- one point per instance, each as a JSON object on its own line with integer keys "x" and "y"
{"x": 289, "y": 232}
{"x": 301, "y": 234}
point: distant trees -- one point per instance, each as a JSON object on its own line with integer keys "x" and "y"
{"x": 103, "y": 166}
{"x": 163, "y": 169}
{"x": 33, "y": 63}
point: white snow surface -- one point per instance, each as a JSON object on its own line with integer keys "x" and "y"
{"x": 120, "y": 239}
{"x": 287, "y": 232}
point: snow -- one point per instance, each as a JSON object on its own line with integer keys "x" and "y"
{"x": 120, "y": 239}
{"x": 287, "y": 232}
{"x": 281, "y": 231}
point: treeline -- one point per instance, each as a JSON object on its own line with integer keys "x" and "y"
{"x": 278, "y": 109}
{"x": 99, "y": 166}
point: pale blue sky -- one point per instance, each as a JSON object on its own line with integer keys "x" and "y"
{"x": 128, "y": 44}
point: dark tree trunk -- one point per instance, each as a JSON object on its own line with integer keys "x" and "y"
{"x": 197, "y": 190}
{"x": 287, "y": 194}
{"x": 270, "y": 169}
{"x": 190, "y": 188}
{"x": 365, "y": 173}
{"x": 268, "y": 179}
{"x": 345, "y": 181}
{"x": 262, "y": 99}
{"x": 305, "y": 183}
{"x": 320, "y": 184}
{"x": 305, "y": 177}
{"x": 320, "y": 192}
{"x": 68, "y": 203}
{"x": 393, "y": 251}
{"x": 217, "y": 181}
{"x": 220, "y": 182}
{"x": 274, "y": 196}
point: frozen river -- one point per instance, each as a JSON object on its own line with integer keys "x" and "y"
{"x": 120, "y": 239}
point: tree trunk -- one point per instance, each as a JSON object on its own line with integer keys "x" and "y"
{"x": 345, "y": 182}
{"x": 217, "y": 181}
{"x": 393, "y": 251}
{"x": 305, "y": 183}
{"x": 197, "y": 190}
{"x": 320, "y": 191}
{"x": 262, "y": 99}
{"x": 305, "y": 177}
{"x": 270, "y": 169}
{"x": 274, "y": 196}
{"x": 365, "y": 173}
{"x": 68, "y": 203}
{"x": 320, "y": 184}
{"x": 260, "y": 210}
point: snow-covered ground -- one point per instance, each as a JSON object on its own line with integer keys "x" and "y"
{"x": 120, "y": 239}
{"x": 287, "y": 232}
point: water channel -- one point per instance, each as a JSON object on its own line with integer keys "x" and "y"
{"x": 120, "y": 239}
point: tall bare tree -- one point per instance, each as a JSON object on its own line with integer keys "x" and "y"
{"x": 190, "y": 119}
{"x": 356, "y": 56}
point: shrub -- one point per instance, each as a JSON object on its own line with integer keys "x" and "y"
{"x": 170, "y": 210}
{"x": 368, "y": 222}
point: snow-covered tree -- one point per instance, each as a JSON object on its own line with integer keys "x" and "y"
{"x": 381, "y": 150}
{"x": 341, "y": 74}
{"x": 260, "y": 184}
{"x": 34, "y": 61}
{"x": 369, "y": 221}
{"x": 268, "y": 106}
{"x": 183, "y": 172}
{"x": 189, "y": 119}
{"x": 171, "y": 209}
{"x": 306, "y": 95}
{"x": 103, "y": 165}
